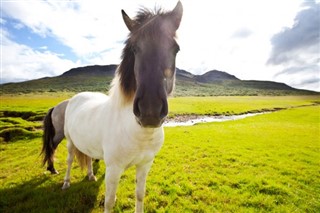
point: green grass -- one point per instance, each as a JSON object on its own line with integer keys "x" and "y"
{"x": 236, "y": 104}
{"x": 178, "y": 105}
{"x": 266, "y": 163}
{"x": 235, "y": 88}
{"x": 32, "y": 102}
{"x": 21, "y": 115}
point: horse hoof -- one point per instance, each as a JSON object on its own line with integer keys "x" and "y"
{"x": 52, "y": 170}
{"x": 66, "y": 185}
{"x": 92, "y": 178}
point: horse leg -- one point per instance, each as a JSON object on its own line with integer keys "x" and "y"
{"x": 113, "y": 175}
{"x": 141, "y": 176}
{"x": 71, "y": 153}
{"x": 56, "y": 141}
{"x": 51, "y": 167}
{"x": 90, "y": 170}
{"x": 51, "y": 162}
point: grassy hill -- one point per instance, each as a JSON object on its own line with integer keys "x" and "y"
{"x": 98, "y": 78}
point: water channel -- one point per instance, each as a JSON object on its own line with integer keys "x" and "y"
{"x": 192, "y": 120}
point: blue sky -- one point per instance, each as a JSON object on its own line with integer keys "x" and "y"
{"x": 24, "y": 36}
{"x": 253, "y": 40}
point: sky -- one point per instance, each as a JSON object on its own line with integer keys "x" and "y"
{"x": 274, "y": 40}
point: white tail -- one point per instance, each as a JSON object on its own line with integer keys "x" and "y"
{"x": 82, "y": 158}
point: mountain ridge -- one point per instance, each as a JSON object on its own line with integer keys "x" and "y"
{"x": 92, "y": 70}
{"x": 211, "y": 83}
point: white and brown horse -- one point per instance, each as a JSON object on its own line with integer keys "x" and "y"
{"x": 125, "y": 128}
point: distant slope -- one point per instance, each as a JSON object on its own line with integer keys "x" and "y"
{"x": 215, "y": 76}
{"x": 95, "y": 70}
{"x": 90, "y": 78}
{"x": 98, "y": 78}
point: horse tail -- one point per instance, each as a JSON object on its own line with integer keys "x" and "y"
{"x": 82, "y": 158}
{"x": 47, "y": 139}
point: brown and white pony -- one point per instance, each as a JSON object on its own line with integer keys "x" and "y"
{"x": 125, "y": 128}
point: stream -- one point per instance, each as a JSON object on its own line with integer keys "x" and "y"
{"x": 189, "y": 120}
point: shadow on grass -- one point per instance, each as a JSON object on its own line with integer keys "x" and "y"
{"x": 41, "y": 194}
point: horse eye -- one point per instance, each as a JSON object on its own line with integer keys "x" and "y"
{"x": 167, "y": 73}
{"x": 134, "y": 49}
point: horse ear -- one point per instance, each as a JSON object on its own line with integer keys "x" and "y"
{"x": 128, "y": 21}
{"x": 176, "y": 15}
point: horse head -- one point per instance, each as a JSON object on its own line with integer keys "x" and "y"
{"x": 147, "y": 72}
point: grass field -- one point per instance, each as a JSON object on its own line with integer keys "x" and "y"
{"x": 178, "y": 105}
{"x": 266, "y": 163}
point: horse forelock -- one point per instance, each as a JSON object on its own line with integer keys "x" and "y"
{"x": 152, "y": 25}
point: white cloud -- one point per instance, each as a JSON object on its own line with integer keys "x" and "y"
{"x": 206, "y": 35}
{"x": 21, "y": 62}
{"x": 18, "y": 26}
{"x": 43, "y": 48}
{"x": 86, "y": 27}
{"x": 95, "y": 32}
{"x": 296, "y": 49}
{"x": 2, "y": 21}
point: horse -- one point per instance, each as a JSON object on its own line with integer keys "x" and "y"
{"x": 53, "y": 134}
{"x": 125, "y": 128}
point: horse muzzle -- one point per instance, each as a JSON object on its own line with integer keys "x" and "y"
{"x": 150, "y": 114}
{"x": 150, "y": 122}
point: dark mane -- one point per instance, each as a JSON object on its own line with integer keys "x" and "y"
{"x": 126, "y": 71}
{"x": 150, "y": 25}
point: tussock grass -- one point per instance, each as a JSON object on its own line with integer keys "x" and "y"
{"x": 16, "y": 133}
{"x": 17, "y": 128}
{"x": 21, "y": 115}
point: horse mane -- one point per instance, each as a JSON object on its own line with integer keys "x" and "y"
{"x": 150, "y": 22}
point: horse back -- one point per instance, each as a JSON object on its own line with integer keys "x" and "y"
{"x": 86, "y": 105}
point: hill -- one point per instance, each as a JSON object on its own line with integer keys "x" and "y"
{"x": 95, "y": 70}
{"x": 98, "y": 78}
{"x": 215, "y": 76}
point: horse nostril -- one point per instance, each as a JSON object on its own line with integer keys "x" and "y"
{"x": 136, "y": 109}
{"x": 164, "y": 109}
